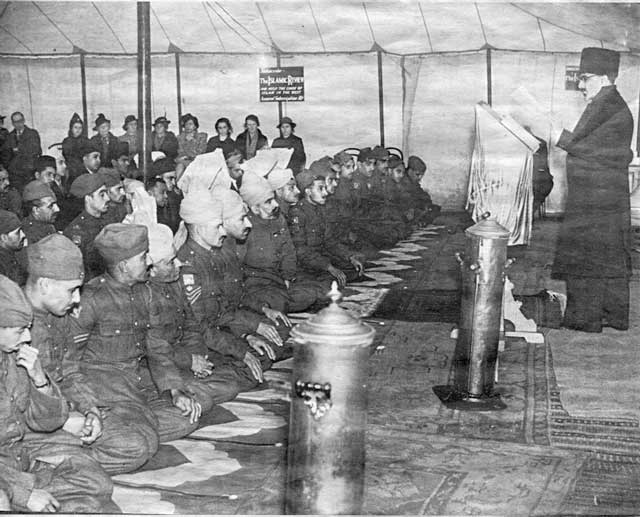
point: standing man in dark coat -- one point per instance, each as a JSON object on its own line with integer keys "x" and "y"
{"x": 4, "y": 134}
{"x": 287, "y": 140}
{"x": 593, "y": 254}
{"x": 20, "y": 151}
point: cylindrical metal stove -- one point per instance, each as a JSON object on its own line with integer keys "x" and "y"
{"x": 474, "y": 362}
{"x": 326, "y": 454}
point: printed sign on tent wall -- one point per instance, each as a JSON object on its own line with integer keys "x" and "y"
{"x": 571, "y": 77}
{"x": 285, "y": 83}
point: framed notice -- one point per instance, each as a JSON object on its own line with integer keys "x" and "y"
{"x": 285, "y": 83}
{"x": 571, "y": 77}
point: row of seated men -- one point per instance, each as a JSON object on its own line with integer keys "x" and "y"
{"x": 97, "y": 372}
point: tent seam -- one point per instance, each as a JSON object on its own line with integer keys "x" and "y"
{"x": 215, "y": 29}
{"x": 241, "y": 25}
{"x": 484, "y": 34}
{"x": 426, "y": 29}
{"x": 230, "y": 27}
{"x": 108, "y": 25}
{"x": 315, "y": 21}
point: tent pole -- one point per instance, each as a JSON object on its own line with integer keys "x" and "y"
{"x": 279, "y": 102}
{"x": 380, "y": 98}
{"x": 144, "y": 85}
{"x": 83, "y": 83}
{"x": 489, "y": 79}
{"x": 178, "y": 87}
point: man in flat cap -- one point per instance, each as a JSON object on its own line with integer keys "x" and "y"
{"x": 318, "y": 256}
{"x": 105, "y": 141}
{"x": 212, "y": 278}
{"x": 118, "y": 440}
{"x": 12, "y": 240}
{"x": 42, "y": 468}
{"x": 211, "y": 376}
{"x": 115, "y": 323}
{"x": 593, "y": 253}
{"x": 269, "y": 256}
{"x": 20, "y": 151}
{"x": 10, "y": 198}
{"x": 287, "y": 140}
{"x": 117, "y": 208}
{"x": 91, "y": 189}
{"x": 41, "y": 208}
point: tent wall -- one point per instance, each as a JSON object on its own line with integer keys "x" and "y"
{"x": 428, "y": 100}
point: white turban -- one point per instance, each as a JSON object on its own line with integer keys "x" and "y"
{"x": 278, "y": 178}
{"x": 201, "y": 207}
{"x": 205, "y": 172}
{"x": 255, "y": 189}
{"x": 160, "y": 242}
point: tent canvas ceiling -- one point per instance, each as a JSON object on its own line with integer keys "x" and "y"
{"x": 317, "y": 26}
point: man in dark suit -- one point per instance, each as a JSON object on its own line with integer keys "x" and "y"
{"x": 105, "y": 141}
{"x": 20, "y": 150}
{"x": 593, "y": 254}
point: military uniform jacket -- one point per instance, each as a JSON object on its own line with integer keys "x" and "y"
{"x": 269, "y": 252}
{"x": 60, "y": 356}
{"x": 23, "y": 409}
{"x": 11, "y": 267}
{"x": 212, "y": 283}
{"x": 115, "y": 214}
{"x": 307, "y": 225}
{"x": 82, "y": 231}
{"x": 114, "y": 321}
{"x": 36, "y": 230}
{"x": 172, "y": 319}
{"x": 12, "y": 201}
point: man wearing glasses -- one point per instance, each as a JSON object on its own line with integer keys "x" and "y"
{"x": 593, "y": 254}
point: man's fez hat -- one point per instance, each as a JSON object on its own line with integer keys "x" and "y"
{"x": 599, "y": 61}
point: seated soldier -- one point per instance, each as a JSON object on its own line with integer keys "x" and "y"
{"x": 12, "y": 240}
{"x": 117, "y": 209}
{"x": 123, "y": 164}
{"x": 10, "y": 198}
{"x": 117, "y": 439}
{"x": 91, "y": 189}
{"x": 114, "y": 323}
{"x": 398, "y": 198}
{"x": 269, "y": 257}
{"x": 212, "y": 279}
{"x": 168, "y": 213}
{"x": 157, "y": 189}
{"x": 42, "y": 469}
{"x": 285, "y": 188}
{"x": 234, "y": 165}
{"x": 343, "y": 202}
{"x": 41, "y": 209}
{"x": 46, "y": 173}
{"x": 427, "y": 211}
{"x": 213, "y": 377}
{"x": 318, "y": 255}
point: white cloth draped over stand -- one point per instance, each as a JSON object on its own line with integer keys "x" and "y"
{"x": 500, "y": 179}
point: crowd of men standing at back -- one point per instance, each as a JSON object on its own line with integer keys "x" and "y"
{"x": 116, "y": 337}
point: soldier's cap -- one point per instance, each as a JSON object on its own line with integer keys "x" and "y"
{"x": 55, "y": 256}
{"x": 201, "y": 207}
{"x": 88, "y": 147}
{"x": 36, "y": 190}
{"x": 232, "y": 203}
{"x": 342, "y": 158}
{"x": 15, "y": 310}
{"x": 278, "y": 178}
{"x": 599, "y": 61}
{"x": 306, "y": 178}
{"x": 111, "y": 177}
{"x": 122, "y": 150}
{"x": 255, "y": 189}
{"x": 366, "y": 153}
{"x": 162, "y": 166}
{"x": 86, "y": 184}
{"x": 321, "y": 167}
{"x": 394, "y": 161}
{"x": 8, "y": 222}
{"x": 160, "y": 243}
{"x": 380, "y": 153}
{"x": 117, "y": 242}
{"x": 417, "y": 164}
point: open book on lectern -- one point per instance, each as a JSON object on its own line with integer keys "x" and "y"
{"x": 530, "y": 141}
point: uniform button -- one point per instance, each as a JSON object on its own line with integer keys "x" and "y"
{"x": 137, "y": 344}
{"x": 135, "y": 323}
{"x": 117, "y": 331}
{"x": 65, "y": 349}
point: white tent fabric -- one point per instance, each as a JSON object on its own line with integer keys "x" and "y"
{"x": 434, "y": 59}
